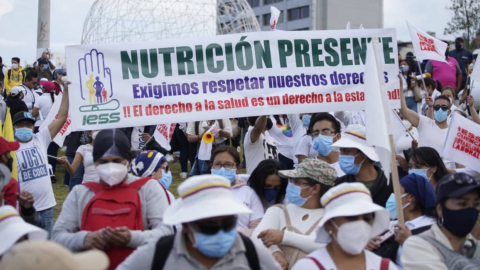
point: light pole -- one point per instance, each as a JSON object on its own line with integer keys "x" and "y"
{"x": 43, "y": 28}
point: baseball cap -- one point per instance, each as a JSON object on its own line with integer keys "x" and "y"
{"x": 6, "y": 146}
{"x": 456, "y": 185}
{"x": 314, "y": 169}
{"x": 41, "y": 255}
{"x": 57, "y": 72}
{"x": 20, "y": 116}
{"x": 459, "y": 39}
{"x": 47, "y": 85}
{"x": 42, "y": 61}
{"x": 16, "y": 90}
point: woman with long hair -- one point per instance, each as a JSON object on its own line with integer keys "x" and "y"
{"x": 268, "y": 184}
{"x": 426, "y": 162}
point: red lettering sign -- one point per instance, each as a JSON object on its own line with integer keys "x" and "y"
{"x": 426, "y": 44}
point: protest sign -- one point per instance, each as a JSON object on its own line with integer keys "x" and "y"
{"x": 238, "y": 75}
{"x": 463, "y": 142}
{"x": 163, "y": 134}
{"x": 426, "y": 47}
{"x": 67, "y": 127}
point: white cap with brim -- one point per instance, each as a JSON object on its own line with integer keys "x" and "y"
{"x": 354, "y": 136}
{"x": 202, "y": 197}
{"x": 350, "y": 199}
{"x": 13, "y": 227}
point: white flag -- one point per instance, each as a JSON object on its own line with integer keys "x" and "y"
{"x": 163, "y": 134}
{"x": 361, "y": 26}
{"x": 462, "y": 144}
{"x": 348, "y": 25}
{"x": 426, "y": 46}
{"x": 275, "y": 14}
{"x": 67, "y": 127}
{"x": 377, "y": 112}
{"x": 475, "y": 76}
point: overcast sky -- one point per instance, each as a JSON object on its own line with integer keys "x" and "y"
{"x": 18, "y": 23}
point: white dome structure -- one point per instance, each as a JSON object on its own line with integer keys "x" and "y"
{"x": 110, "y": 21}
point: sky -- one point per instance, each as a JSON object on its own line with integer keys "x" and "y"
{"x": 18, "y": 23}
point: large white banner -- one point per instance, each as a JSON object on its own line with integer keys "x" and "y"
{"x": 275, "y": 72}
{"x": 463, "y": 142}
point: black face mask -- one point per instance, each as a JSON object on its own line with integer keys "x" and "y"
{"x": 459, "y": 222}
{"x": 269, "y": 124}
{"x": 458, "y": 46}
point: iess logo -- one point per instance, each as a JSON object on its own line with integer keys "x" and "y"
{"x": 96, "y": 87}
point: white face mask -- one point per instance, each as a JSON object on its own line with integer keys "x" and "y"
{"x": 112, "y": 173}
{"x": 353, "y": 236}
{"x": 94, "y": 135}
{"x": 14, "y": 66}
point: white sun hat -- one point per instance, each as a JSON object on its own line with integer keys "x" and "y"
{"x": 201, "y": 197}
{"x": 355, "y": 136}
{"x": 350, "y": 199}
{"x": 13, "y": 227}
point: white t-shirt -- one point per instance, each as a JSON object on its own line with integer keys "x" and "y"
{"x": 90, "y": 173}
{"x": 44, "y": 104}
{"x": 263, "y": 148}
{"x": 32, "y": 166}
{"x": 337, "y": 168}
{"x": 282, "y": 133}
{"x": 250, "y": 199}
{"x": 351, "y": 117}
{"x": 203, "y": 126}
{"x": 299, "y": 130}
{"x": 430, "y": 134}
{"x": 372, "y": 261}
{"x": 305, "y": 147}
{"x": 136, "y": 138}
{"x": 30, "y": 98}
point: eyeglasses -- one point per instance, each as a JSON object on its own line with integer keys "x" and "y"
{"x": 325, "y": 132}
{"x": 228, "y": 165}
{"x": 300, "y": 182}
{"x": 212, "y": 228}
{"x": 22, "y": 125}
{"x": 438, "y": 107}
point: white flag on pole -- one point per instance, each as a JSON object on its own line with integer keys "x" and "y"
{"x": 348, "y": 25}
{"x": 377, "y": 112}
{"x": 426, "y": 46}
{"x": 475, "y": 76}
{"x": 275, "y": 14}
{"x": 163, "y": 134}
{"x": 67, "y": 127}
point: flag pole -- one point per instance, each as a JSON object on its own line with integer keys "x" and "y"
{"x": 406, "y": 129}
{"x": 421, "y": 75}
{"x": 396, "y": 183}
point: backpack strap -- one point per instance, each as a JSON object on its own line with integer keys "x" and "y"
{"x": 319, "y": 265}
{"x": 384, "y": 264}
{"x": 9, "y": 74}
{"x": 250, "y": 253}
{"x": 162, "y": 251}
{"x": 95, "y": 187}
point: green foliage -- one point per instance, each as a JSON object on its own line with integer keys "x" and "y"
{"x": 465, "y": 21}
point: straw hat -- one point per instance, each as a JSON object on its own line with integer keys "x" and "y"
{"x": 201, "y": 197}
{"x": 350, "y": 199}
{"x": 355, "y": 136}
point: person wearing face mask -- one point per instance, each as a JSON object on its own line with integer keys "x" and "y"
{"x": 29, "y": 85}
{"x": 153, "y": 164}
{"x": 118, "y": 233}
{"x": 15, "y": 101}
{"x": 427, "y": 92}
{"x": 426, "y": 162}
{"x": 207, "y": 211}
{"x": 43, "y": 69}
{"x": 448, "y": 244}
{"x": 432, "y": 133}
{"x": 357, "y": 162}
{"x": 268, "y": 184}
{"x": 225, "y": 161}
{"x": 448, "y": 73}
{"x": 288, "y": 230}
{"x": 258, "y": 145}
{"x": 45, "y": 56}
{"x": 34, "y": 177}
{"x": 418, "y": 203}
{"x": 84, "y": 156}
{"x": 15, "y": 75}
{"x": 463, "y": 57}
{"x": 349, "y": 221}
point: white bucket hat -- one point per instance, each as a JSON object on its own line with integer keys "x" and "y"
{"x": 201, "y": 197}
{"x": 355, "y": 136}
{"x": 350, "y": 199}
{"x": 13, "y": 227}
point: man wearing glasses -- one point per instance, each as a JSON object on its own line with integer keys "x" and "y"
{"x": 431, "y": 132}
{"x": 32, "y": 161}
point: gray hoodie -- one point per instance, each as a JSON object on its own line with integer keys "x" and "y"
{"x": 154, "y": 203}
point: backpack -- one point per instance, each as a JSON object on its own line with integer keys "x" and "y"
{"x": 115, "y": 206}
{"x": 24, "y": 74}
{"x": 384, "y": 263}
{"x": 454, "y": 260}
{"x": 165, "y": 245}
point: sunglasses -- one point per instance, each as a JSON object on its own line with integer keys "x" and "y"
{"x": 438, "y": 107}
{"x": 212, "y": 228}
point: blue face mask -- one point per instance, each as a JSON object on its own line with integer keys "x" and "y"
{"x": 322, "y": 144}
{"x": 271, "y": 194}
{"x": 440, "y": 115}
{"x": 348, "y": 166}
{"x": 166, "y": 179}
{"x": 293, "y": 195}
{"x": 45, "y": 67}
{"x": 306, "y": 120}
{"x": 421, "y": 172}
{"x": 229, "y": 174}
{"x": 23, "y": 134}
{"x": 215, "y": 245}
{"x": 390, "y": 205}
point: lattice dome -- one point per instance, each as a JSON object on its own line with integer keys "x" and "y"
{"x": 111, "y": 21}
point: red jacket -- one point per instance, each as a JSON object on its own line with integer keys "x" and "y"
{"x": 10, "y": 191}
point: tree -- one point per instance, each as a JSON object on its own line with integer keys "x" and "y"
{"x": 465, "y": 20}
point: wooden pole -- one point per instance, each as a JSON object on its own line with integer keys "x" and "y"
{"x": 396, "y": 183}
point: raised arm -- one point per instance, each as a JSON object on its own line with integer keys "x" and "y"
{"x": 57, "y": 125}
{"x": 410, "y": 115}
{"x": 258, "y": 128}
{"x": 473, "y": 111}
